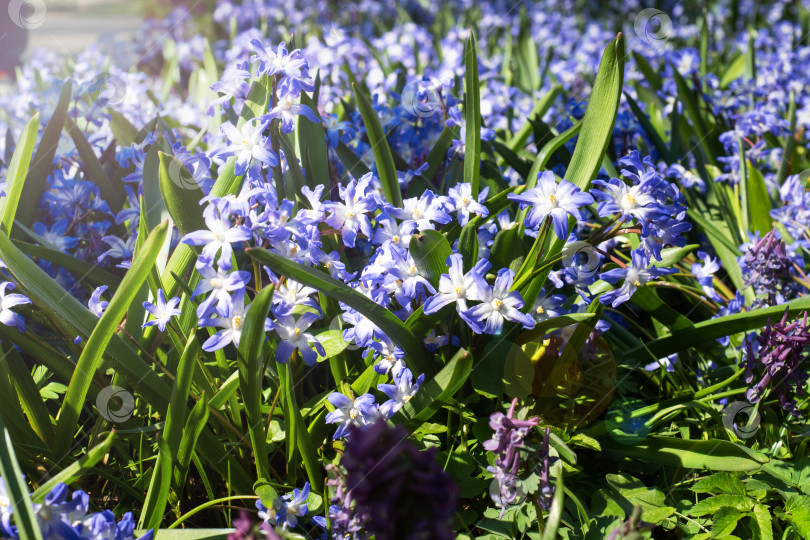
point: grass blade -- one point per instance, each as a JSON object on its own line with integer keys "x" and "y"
{"x": 596, "y": 132}
{"x": 472, "y": 114}
{"x": 250, "y": 374}
{"x": 42, "y": 164}
{"x": 76, "y": 469}
{"x": 114, "y": 197}
{"x": 91, "y": 356}
{"x": 382, "y": 152}
{"x": 24, "y": 517}
{"x": 17, "y": 171}
{"x": 706, "y": 331}
{"x": 298, "y": 437}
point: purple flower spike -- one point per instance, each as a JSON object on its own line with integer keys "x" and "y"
{"x": 768, "y": 270}
{"x": 510, "y": 433}
{"x": 781, "y": 353}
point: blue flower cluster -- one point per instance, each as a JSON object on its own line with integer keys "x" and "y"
{"x": 66, "y": 515}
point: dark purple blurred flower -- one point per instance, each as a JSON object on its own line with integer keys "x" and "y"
{"x": 781, "y": 349}
{"x": 390, "y": 489}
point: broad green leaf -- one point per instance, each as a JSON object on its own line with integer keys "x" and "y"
{"x": 24, "y": 517}
{"x": 11, "y": 410}
{"x": 722, "y": 482}
{"x": 42, "y": 164}
{"x": 382, "y": 152}
{"x": 706, "y": 331}
{"x": 17, "y": 171}
{"x": 430, "y": 251}
{"x": 595, "y": 135}
{"x": 312, "y": 148}
{"x": 415, "y": 357}
{"x": 154, "y": 206}
{"x": 797, "y": 513}
{"x": 633, "y": 493}
{"x": 354, "y": 165}
{"x": 733, "y": 70}
{"x": 763, "y": 529}
{"x": 468, "y": 243}
{"x": 332, "y": 342}
{"x": 438, "y": 153}
{"x": 543, "y": 328}
{"x": 91, "y": 356}
{"x": 704, "y": 43}
{"x": 527, "y": 69}
{"x": 597, "y": 125}
{"x": 259, "y": 98}
{"x": 508, "y": 250}
{"x": 472, "y": 116}
{"x": 366, "y": 380}
{"x": 123, "y": 130}
{"x": 438, "y": 390}
{"x": 181, "y": 194}
{"x": 725, "y": 521}
{"x": 712, "y": 454}
{"x": 750, "y": 58}
{"x": 673, "y": 255}
{"x": 714, "y": 504}
{"x": 46, "y": 355}
{"x": 758, "y": 202}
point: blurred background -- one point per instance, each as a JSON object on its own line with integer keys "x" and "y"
{"x": 70, "y": 26}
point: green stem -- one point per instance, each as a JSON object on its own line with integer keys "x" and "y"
{"x": 209, "y": 504}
